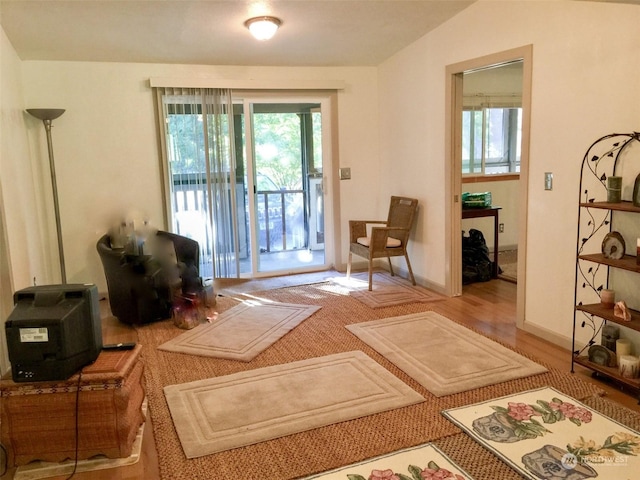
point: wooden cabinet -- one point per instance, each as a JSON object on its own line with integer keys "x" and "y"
{"x": 611, "y": 155}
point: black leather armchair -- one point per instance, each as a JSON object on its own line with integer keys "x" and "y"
{"x": 188, "y": 256}
{"x": 139, "y": 288}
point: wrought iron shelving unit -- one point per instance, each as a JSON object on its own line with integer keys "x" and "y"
{"x": 604, "y": 158}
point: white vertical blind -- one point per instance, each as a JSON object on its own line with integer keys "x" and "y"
{"x": 198, "y": 148}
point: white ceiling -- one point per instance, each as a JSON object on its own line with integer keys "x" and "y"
{"x": 313, "y": 33}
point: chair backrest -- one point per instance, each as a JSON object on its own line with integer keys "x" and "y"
{"x": 187, "y": 250}
{"x": 112, "y": 261}
{"x": 134, "y": 296}
{"x": 118, "y": 282}
{"x": 402, "y": 212}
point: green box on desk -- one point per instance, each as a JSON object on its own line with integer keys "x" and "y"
{"x": 480, "y": 200}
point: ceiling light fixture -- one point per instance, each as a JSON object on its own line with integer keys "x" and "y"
{"x": 263, "y": 28}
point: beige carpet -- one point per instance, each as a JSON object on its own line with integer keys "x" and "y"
{"x": 441, "y": 355}
{"x": 244, "y": 408}
{"x": 543, "y": 430}
{"x": 230, "y": 287}
{"x": 325, "y": 448}
{"x": 242, "y": 332}
{"x": 387, "y": 291}
{"x": 508, "y": 263}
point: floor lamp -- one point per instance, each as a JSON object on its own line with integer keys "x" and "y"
{"x": 47, "y": 115}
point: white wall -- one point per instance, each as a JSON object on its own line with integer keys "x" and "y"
{"x": 106, "y": 145}
{"x": 20, "y": 176}
{"x": 586, "y": 83}
{"x": 23, "y": 229}
{"x": 586, "y": 76}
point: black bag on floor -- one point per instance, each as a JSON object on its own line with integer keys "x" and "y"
{"x": 476, "y": 264}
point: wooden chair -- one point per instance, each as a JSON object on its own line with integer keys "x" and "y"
{"x": 389, "y": 240}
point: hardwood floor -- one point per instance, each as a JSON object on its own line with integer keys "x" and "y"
{"x": 487, "y": 307}
{"x": 490, "y": 308}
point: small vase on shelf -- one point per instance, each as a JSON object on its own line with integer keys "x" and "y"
{"x": 636, "y": 192}
{"x": 614, "y": 189}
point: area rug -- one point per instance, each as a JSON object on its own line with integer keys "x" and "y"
{"x": 416, "y": 463}
{"x": 543, "y": 433}
{"x": 331, "y": 446}
{"x": 441, "y": 355}
{"x": 242, "y": 332}
{"x": 508, "y": 265}
{"x": 230, "y": 287}
{"x": 227, "y": 412}
{"x": 387, "y": 291}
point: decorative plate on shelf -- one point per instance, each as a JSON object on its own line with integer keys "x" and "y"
{"x": 602, "y": 356}
{"x": 613, "y": 246}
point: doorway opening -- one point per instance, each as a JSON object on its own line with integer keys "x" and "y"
{"x": 456, "y": 75}
{"x": 491, "y": 153}
{"x": 283, "y": 163}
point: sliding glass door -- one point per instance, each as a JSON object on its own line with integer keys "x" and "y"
{"x": 284, "y": 163}
{"x": 246, "y": 179}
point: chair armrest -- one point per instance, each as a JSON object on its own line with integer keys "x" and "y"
{"x": 358, "y": 228}
{"x": 379, "y": 236}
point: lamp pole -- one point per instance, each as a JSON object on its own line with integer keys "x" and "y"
{"x": 47, "y": 115}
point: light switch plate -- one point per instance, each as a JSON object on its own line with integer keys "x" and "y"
{"x": 548, "y": 181}
{"x": 345, "y": 173}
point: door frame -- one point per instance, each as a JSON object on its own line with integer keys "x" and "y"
{"x": 6, "y": 282}
{"x": 453, "y": 168}
{"x": 324, "y": 99}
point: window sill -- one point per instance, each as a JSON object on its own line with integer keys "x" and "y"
{"x": 496, "y": 177}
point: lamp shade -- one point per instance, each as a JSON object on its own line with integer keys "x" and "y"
{"x": 263, "y": 28}
{"x": 45, "y": 113}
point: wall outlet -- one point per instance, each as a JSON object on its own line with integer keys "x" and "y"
{"x": 501, "y": 228}
{"x": 548, "y": 181}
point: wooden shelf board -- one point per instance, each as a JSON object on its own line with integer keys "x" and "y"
{"x": 619, "y": 206}
{"x": 628, "y": 262}
{"x": 607, "y": 313}
{"x": 611, "y": 372}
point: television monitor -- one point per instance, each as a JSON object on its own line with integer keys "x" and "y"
{"x": 53, "y": 331}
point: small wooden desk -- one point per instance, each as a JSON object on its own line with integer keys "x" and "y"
{"x": 491, "y": 211}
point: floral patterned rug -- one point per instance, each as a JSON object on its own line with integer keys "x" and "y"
{"x": 543, "y": 433}
{"x": 423, "y": 462}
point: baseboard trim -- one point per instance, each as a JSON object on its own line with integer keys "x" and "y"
{"x": 548, "y": 335}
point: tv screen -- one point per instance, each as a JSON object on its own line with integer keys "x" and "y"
{"x": 53, "y": 331}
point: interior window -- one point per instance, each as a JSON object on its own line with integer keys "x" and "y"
{"x": 491, "y": 140}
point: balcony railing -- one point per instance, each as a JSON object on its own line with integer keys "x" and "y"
{"x": 280, "y": 220}
{"x": 280, "y": 215}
